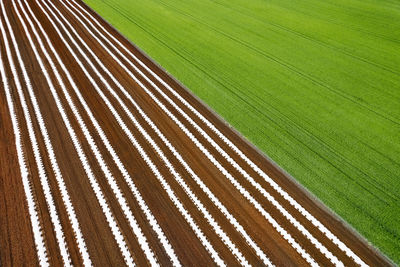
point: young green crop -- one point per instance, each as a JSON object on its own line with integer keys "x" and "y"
{"x": 314, "y": 84}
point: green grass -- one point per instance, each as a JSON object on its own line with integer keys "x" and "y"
{"x": 314, "y": 84}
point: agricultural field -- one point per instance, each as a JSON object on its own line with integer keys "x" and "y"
{"x": 107, "y": 160}
{"x": 313, "y": 84}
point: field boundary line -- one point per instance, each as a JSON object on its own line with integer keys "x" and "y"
{"x": 315, "y": 201}
{"x": 287, "y": 236}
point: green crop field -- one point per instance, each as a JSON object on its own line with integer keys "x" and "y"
{"x": 314, "y": 84}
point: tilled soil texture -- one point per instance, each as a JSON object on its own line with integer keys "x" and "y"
{"x": 107, "y": 160}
